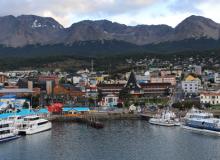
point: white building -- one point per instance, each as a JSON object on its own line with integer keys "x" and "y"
{"x": 109, "y": 100}
{"x": 191, "y": 85}
{"x": 210, "y": 97}
{"x": 143, "y": 78}
{"x": 217, "y": 78}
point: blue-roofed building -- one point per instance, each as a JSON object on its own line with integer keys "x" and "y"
{"x": 25, "y": 112}
{"x": 14, "y": 102}
{"x": 75, "y": 109}
{"x": 8, "y": 96}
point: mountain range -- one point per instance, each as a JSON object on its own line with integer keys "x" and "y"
{"x": 34, "y": 30}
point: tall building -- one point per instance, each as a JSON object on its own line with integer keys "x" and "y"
{"x": 191, "y": 85}
{"x": 49, "y": 87}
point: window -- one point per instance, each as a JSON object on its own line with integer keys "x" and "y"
{"x": 41, "y": 123}
{"x": 4, "y": 132}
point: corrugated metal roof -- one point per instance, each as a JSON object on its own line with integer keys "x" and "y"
{"x": 16, "y": 90}
{"x": 24, "y": 112}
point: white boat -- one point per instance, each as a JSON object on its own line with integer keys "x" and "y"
{"x": 17, "y": 120}
{"x": 167, "y": 118}
{"x": 203, "y": 122}
{"x": 7, "y": 131}
{"x": 34, "y": 124}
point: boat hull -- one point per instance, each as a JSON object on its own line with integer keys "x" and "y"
{"x": 199, "y": 130}
{"x": 162, "y": 123}
{"x": 9, "y": 138}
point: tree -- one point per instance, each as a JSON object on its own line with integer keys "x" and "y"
{"x": 35, "y": 101}
{"x": 62, "y": 80}
{"x": 25, "y": 105}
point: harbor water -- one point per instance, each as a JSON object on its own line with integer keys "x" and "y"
{"x": 118, "y": 140}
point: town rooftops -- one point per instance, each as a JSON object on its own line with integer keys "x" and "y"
{"x": 190, "y": 78}
{"x": 154, "y": 85}
{"x": 210, "y": 93}
{"x": 102, "y": 85}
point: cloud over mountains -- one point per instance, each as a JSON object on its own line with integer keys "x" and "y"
{"x": 123, "y": 11}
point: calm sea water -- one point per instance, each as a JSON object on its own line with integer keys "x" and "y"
{"x": 119, "y": 140}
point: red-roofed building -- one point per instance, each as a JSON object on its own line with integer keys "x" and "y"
{"x": 210, "y": 97}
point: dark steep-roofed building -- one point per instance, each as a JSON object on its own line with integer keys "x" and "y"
{"x": 132, "y": 85}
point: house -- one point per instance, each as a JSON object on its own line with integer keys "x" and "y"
{"x": 109, "y": 100}
{"x": 191, "y": 85}
{"x": 210, "y": 97}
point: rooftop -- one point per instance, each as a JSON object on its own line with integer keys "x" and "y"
{"x": 16, "y": 90}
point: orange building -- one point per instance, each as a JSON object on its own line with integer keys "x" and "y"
{"x": 67, "y": 89}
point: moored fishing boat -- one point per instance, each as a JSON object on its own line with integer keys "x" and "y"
{"x": 167, "y": 118}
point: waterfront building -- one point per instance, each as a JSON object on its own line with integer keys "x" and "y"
{"x": 110, "y": 88}
{"x": 156, "y": 89}
{"x": 109, "y": 100}
{"x": 132, "y": 85}
{"x": 210, "y": 97}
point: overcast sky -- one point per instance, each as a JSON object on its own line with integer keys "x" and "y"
{"x": 130, "y": 12}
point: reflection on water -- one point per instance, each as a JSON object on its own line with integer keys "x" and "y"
{"x": 119, "y": 140}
